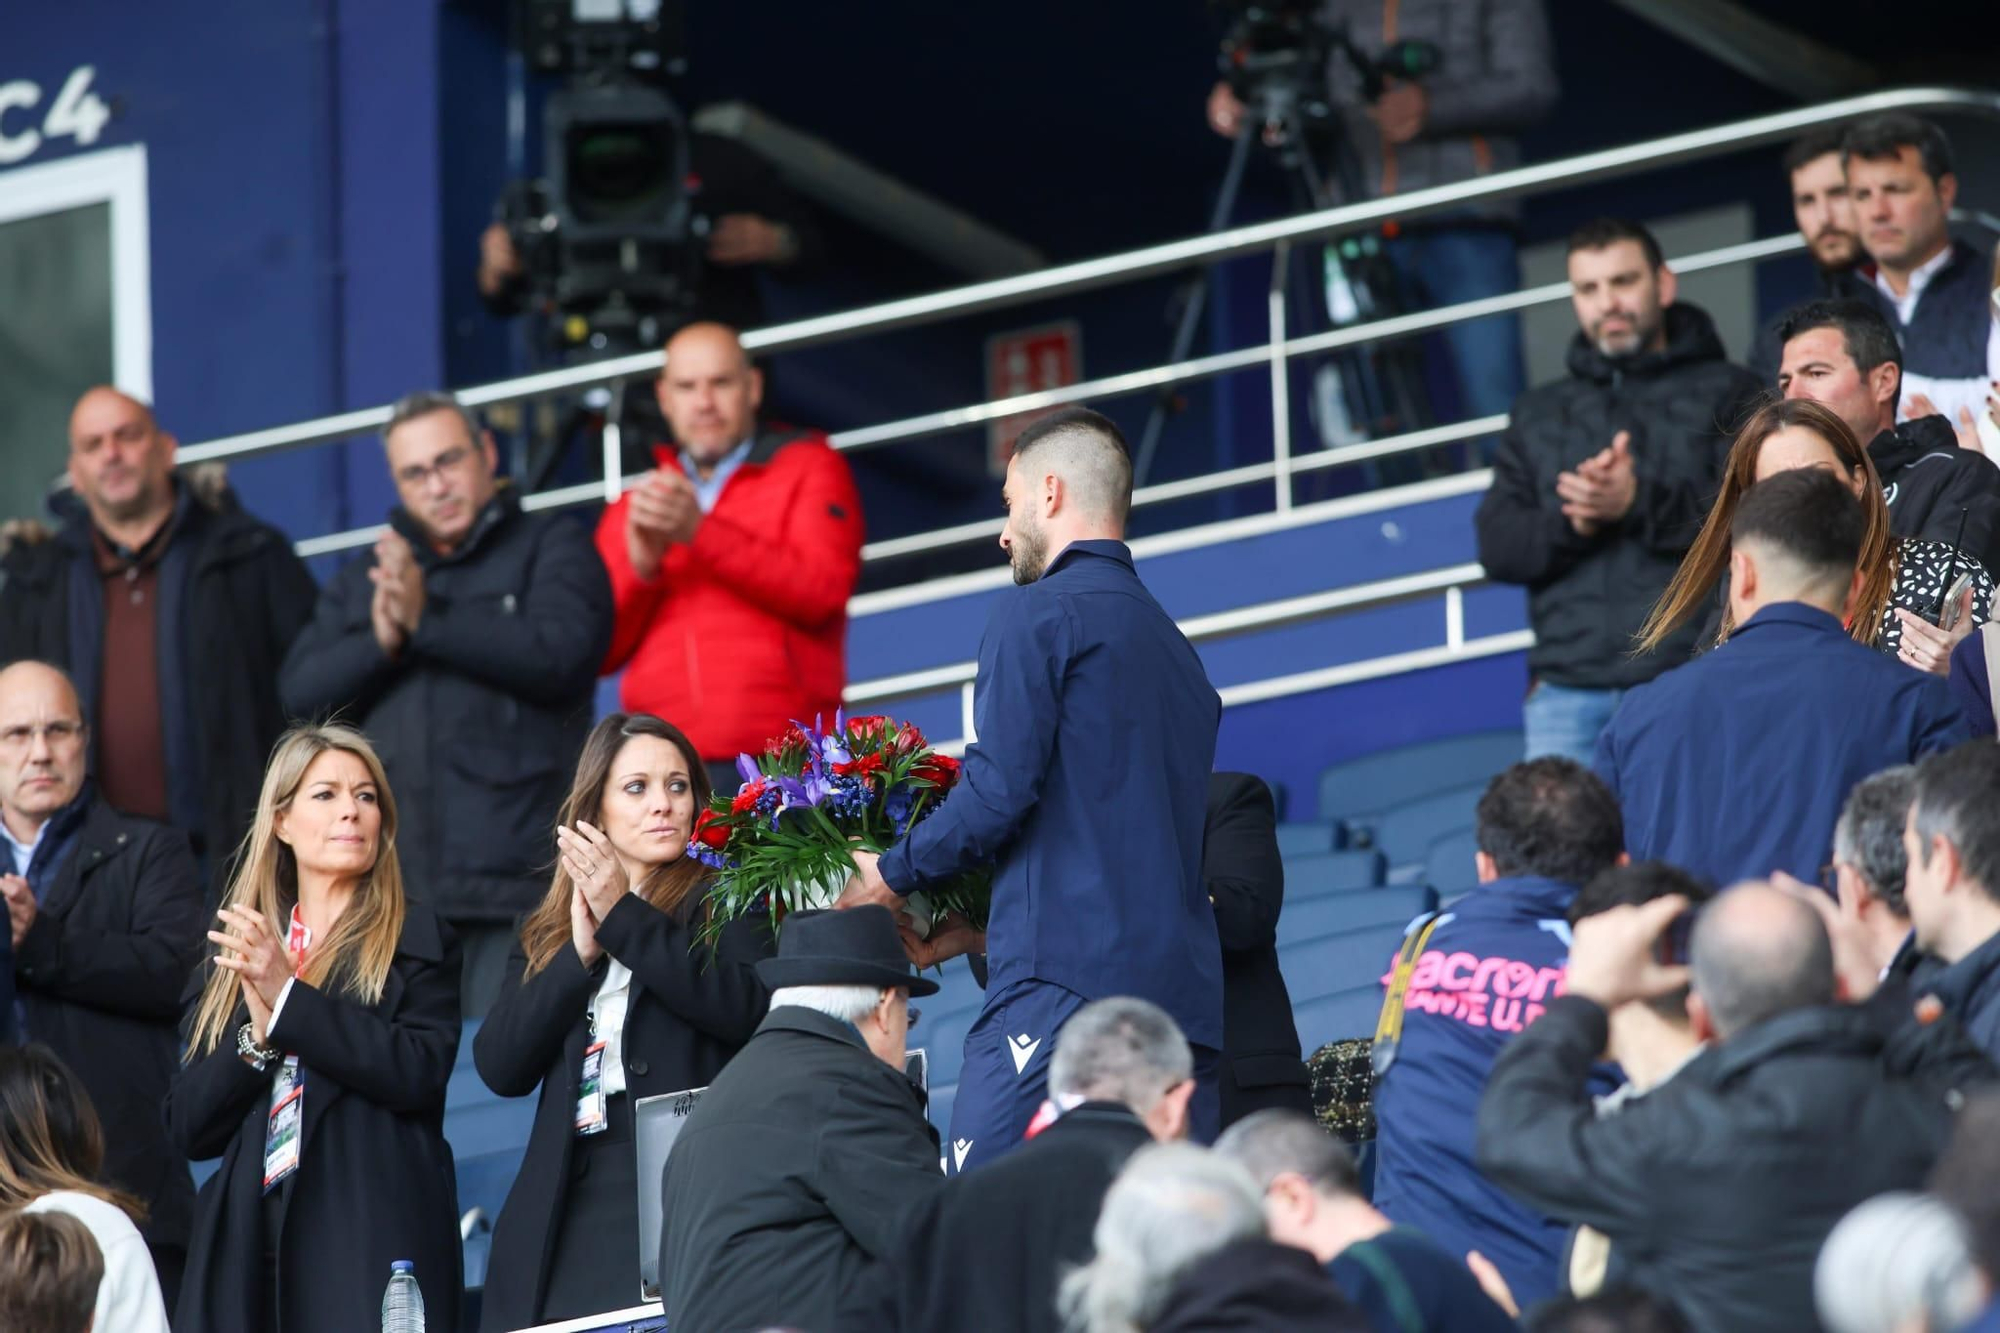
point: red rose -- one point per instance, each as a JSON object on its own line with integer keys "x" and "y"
{"x": 910, "y": 739}
{"x": 710, "y": 831}
{"x": 746, "y": 796}
{"x": 940, "y": 770}
{"x": 872, "y": 725}
{"x": 867, "y": 766}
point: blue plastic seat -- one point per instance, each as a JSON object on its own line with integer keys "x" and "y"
{"x": 1404, "y": 833}
{"x": 1336, "y": 1017}
{"x": 1448, "y": 865}
{"x": 1331, "y": 872}
{"x": 1312, "y": 837}
{"x": 1340, "y": 961}
{"x": 1358, "y": 788}
{"x": 1352, "y": 909}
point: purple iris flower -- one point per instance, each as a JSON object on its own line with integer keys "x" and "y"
{"x": 746, "y": 768}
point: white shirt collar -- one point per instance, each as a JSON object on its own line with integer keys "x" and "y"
{"x": 1920, "y": 278}
{"x": 23, "y": 852}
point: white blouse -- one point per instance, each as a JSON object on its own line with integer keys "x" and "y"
{"x": 128, "y": 1299}
{"x": 607, "y": 1022}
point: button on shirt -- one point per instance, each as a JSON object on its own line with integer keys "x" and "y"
{"x": 607, "y": 1024}
{"x": 708, "y": 491}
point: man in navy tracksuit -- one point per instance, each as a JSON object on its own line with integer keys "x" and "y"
{"x": 1737, "y": 764}
{"x": 1087, "y": 785}
{"x": 1490, "y": 967}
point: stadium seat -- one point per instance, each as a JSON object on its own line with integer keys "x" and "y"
{"x": 1340, "y": 961}
{"x": 1404, "y": 833}
{"x": 1344, "y": 1013}
{"x": 1315, "y": 837}
{"x": 1352, "y": 909}
{"x": 483, "y": 1182}
{"x": 1353, "y": 790}
{"x": 1332, "y": 872}
{"x": 1448, "y": 867}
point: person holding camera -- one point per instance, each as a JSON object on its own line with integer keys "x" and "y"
{"x": 1716, "y": 1185}
{"x": 1493, "y": 77}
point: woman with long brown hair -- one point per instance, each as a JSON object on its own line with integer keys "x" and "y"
{"x": 318, "y": 1052}
{"x": 1904, "y": 579}
{"x": 609, "y": 997}
{"x": 51, "y": 1159}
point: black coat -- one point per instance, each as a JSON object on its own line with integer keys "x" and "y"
{"x": 688, "y": 1015}
{"x": 1588, "y": 596}
{"x": 100, "y": 975}
{"x": 1933, "y": 486}
{"x": 791, "y": 1177}
{"x": 1969, "y": 990}
{"x": 1257, "y": 1286}
{"x": 1027, "y": 1217}
{"x": 1245, "y": 877}
{"x": 247, "y": 596}
{"x": 480, "y": 719}
{"x": 375, "y": 1181}
{"x": 1719, "y": 1187}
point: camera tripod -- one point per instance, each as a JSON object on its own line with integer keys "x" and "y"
{"x": 1381, "y": 388}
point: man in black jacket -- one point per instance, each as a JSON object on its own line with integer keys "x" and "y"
{"x": 171, "y": 611}
{"x": 794, "y": 1172}
{"x": 1245, "y": 876}
{"x": 1825, "y": 216}
{"x": 1844, "y": 355}
{"x": 1122, "y": 1073}
{"x": 1602, "y": 481}
{"x": 466, "y": 644}
{"x": 105, "y": 916}
{"x": 1951, "y": 886}
{"x": 1720, "y": 1185}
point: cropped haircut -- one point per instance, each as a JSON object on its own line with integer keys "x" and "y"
{"x": 1550, "y": 817}
{"x": 1810, "y": 517}
{"x": 1955, "y": 800}
{"x": 1869, "y": 833}
{"x": 1273, "y": 1143}
{"x": 1884, "y": 136}
{"x": 1090, "y": 452}
{"x": 50, "y": 1270}
{"x": 422, "y": 403}
{"x": 1864, "y": 334}
{"x": 1120, "y": 1049}
{"x": 1599, "y": 233}
{"x": 1813, "y": 145}
{"x": 1622, "y": 1310}
{"x": 1746, "y": 977}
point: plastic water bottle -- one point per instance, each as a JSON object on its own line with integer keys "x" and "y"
{"x": 403, "y": 1301}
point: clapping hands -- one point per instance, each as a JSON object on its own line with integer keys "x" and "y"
{"x": 1601, "y": 489}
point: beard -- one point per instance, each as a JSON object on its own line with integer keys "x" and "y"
{"x": 1029, "y": 556}
{"x": 1638, "y": 335}
{"x": 1835, "y": 249}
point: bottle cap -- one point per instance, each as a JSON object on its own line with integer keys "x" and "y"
{"x": 402, "y": 1266}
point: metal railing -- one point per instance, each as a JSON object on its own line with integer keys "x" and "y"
{"x": 1275, "y": 236}
{"x": 1451, "y": 581}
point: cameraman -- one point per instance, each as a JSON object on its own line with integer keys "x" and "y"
{"x": 1494, "y": 76}
{"x": 754, "y": 222}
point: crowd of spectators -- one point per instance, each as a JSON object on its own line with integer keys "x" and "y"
{"x": 1708, "y": 1038}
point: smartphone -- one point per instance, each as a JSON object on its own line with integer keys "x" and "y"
{"x": 1953, "y": 600}
{"x": 1672, "y": 946}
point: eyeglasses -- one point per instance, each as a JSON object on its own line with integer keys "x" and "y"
{"x": 55, "y": 733}
{"x": 1829, "y": 878}
{"x": 416, "y": 474}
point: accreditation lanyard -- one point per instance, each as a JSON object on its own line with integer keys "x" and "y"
{"x": 592, "y": 1117}
{"x": 284, "y": 1127}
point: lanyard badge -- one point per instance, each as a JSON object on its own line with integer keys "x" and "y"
{"x": 591, "y": 1117}
{"x": 282, "y": 1131}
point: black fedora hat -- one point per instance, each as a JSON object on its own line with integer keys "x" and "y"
{"x": 856, "y": 947}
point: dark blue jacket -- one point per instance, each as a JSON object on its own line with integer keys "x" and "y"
{"x": 1493, "y": 963}
{"x": 1089, "y": 785}
{"x": 1736, "y": 764}
{"x": 1406, "y": 1283}
{"x": 1970, "y": 990}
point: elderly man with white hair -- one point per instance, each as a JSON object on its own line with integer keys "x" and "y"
{"x": 1122, "y": 1076}
{"x": 793, "y": 1172}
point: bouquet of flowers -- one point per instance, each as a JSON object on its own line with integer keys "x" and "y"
{"x": 783, "y": 842}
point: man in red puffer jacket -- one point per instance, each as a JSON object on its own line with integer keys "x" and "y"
{"x": 732, "y": 562}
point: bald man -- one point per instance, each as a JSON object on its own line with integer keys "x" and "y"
{"x": 104, "y": 916}
{"x": 1719, "y": 1185}
{"x": 172, "y": 611}
{"x": 732, "y": 562}
{"x": 1088, "y": 786}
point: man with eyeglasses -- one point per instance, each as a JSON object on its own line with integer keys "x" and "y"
{"x": 171, "y": 608}
{"x": 466, "y": 645}
{"x": 104, "y": 920}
